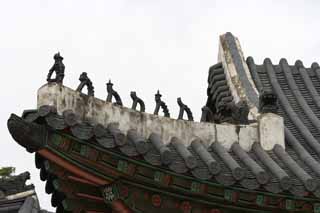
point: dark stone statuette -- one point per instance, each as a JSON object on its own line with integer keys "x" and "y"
{"x": 207, "y": 115}
{"x": 113, "y": 93}
{"x": 240, "y": 112}
{"x": 15, "y": 184}
{"x": 233, "y": 113}
{"x": 137, "y": 100}
{"x": 224, "y": 113}
{"x": 161, "y": 104}
{"x": 184, "y": 108}
{"x": 32, "y": 136}
{"x": 268, "y": 102}
{"x": 58, "y": 67}
{"x": 85, "y": 81}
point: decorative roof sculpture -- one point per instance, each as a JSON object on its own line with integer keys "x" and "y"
{"x": 58, "y": 67}
{"x": 256, "y": 148}
{"x": 16, "y": 196}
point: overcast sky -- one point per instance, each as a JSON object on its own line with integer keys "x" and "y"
{"x": 142, "y": 46}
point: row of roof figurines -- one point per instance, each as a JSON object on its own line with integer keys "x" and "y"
{"x": 231, "y": 112}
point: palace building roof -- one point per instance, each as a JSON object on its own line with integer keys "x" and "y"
{"x": 16, "y": 196}
{"x": 255, "y": 149}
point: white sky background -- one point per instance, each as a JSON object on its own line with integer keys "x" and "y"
{"x": 142, "y": 45}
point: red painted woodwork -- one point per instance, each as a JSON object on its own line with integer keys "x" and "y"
{"x": 72, "y": 168}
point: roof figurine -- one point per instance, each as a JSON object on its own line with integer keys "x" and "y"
{"x": 85, "y": 81}
{"x": 58, "y": 67}
{"x": 113, "y": 93}
{"x": 16, "y": 196}
{"x": 160, "y": 104}
{"x": 184, "y": 108}
{"x": 136, "y": 100}
{"x": 256, "y": 148}
{"x": 268, "y": 102}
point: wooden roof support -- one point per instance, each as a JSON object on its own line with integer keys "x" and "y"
{"x": 72, "y": 168}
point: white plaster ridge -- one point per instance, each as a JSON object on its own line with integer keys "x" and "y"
{"x": 271, "y": 130}
{"x": 21, "y": 195}
{"x": 99, "y": 111}
{"x": 230, "y": 69}
{"x": 270, "y": 126}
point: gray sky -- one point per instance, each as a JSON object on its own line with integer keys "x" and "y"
{"x": 142, "y": 45}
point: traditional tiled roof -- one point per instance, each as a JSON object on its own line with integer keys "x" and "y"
{"x": 296, "y": 165}
{"x": 16, "y": 196}
{"x": 125, "y": 144}
{"x": 255, "y": 170}
{"x": 198, "y": 161}
{"x": 276, "y": 170}
{"x": 297, "y": 89}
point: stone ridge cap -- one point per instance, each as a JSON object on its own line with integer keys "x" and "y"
{"x": 95, "y": 110}
{"x": 107, "y": 103}
{"x": 144, "y": 113}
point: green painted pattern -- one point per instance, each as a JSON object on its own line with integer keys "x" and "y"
{"x": 56, "y": 139}
{"x": 195, "y": 187}
{"x": 228, "y": 195}
{"x": 160, "y": 172}
{"x": 158, "y": 176}
{"x": 290, "y": 205}
{"x": 123, "y": 166}
{"x": 260, "y": 200}
{"x": 173, "y": 174}
{"x": 316, "y": 208}
{"x": 83, "y": 150}
{"x": 157, "y": 190}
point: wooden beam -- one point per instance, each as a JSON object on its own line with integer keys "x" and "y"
{"x": 72, "y": 168}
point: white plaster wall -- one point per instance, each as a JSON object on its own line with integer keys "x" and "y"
{"x": 227, "y": 135}
{"x": 248, "y": 135}
{"x": 99, "y": 111}
{"x": 271, "y": 130}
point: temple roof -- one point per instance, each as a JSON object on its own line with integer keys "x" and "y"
{"x": 297, "y": 89}
{"x": 16, "y": 196}
{"x": 258, "y": 136}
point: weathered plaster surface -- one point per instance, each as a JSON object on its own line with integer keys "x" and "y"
{"x": 232, "y": 74}
{"x": 230, "y": 71}
{"x": 99, "y": 111}
{"x": 248, "y": 135}
{"x": 271, "y": 130}
{"x": 227, "y": 135}
{"x": 270, "y": 126}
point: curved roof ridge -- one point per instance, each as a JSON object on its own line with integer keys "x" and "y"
{"x": 292, "y": 114}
